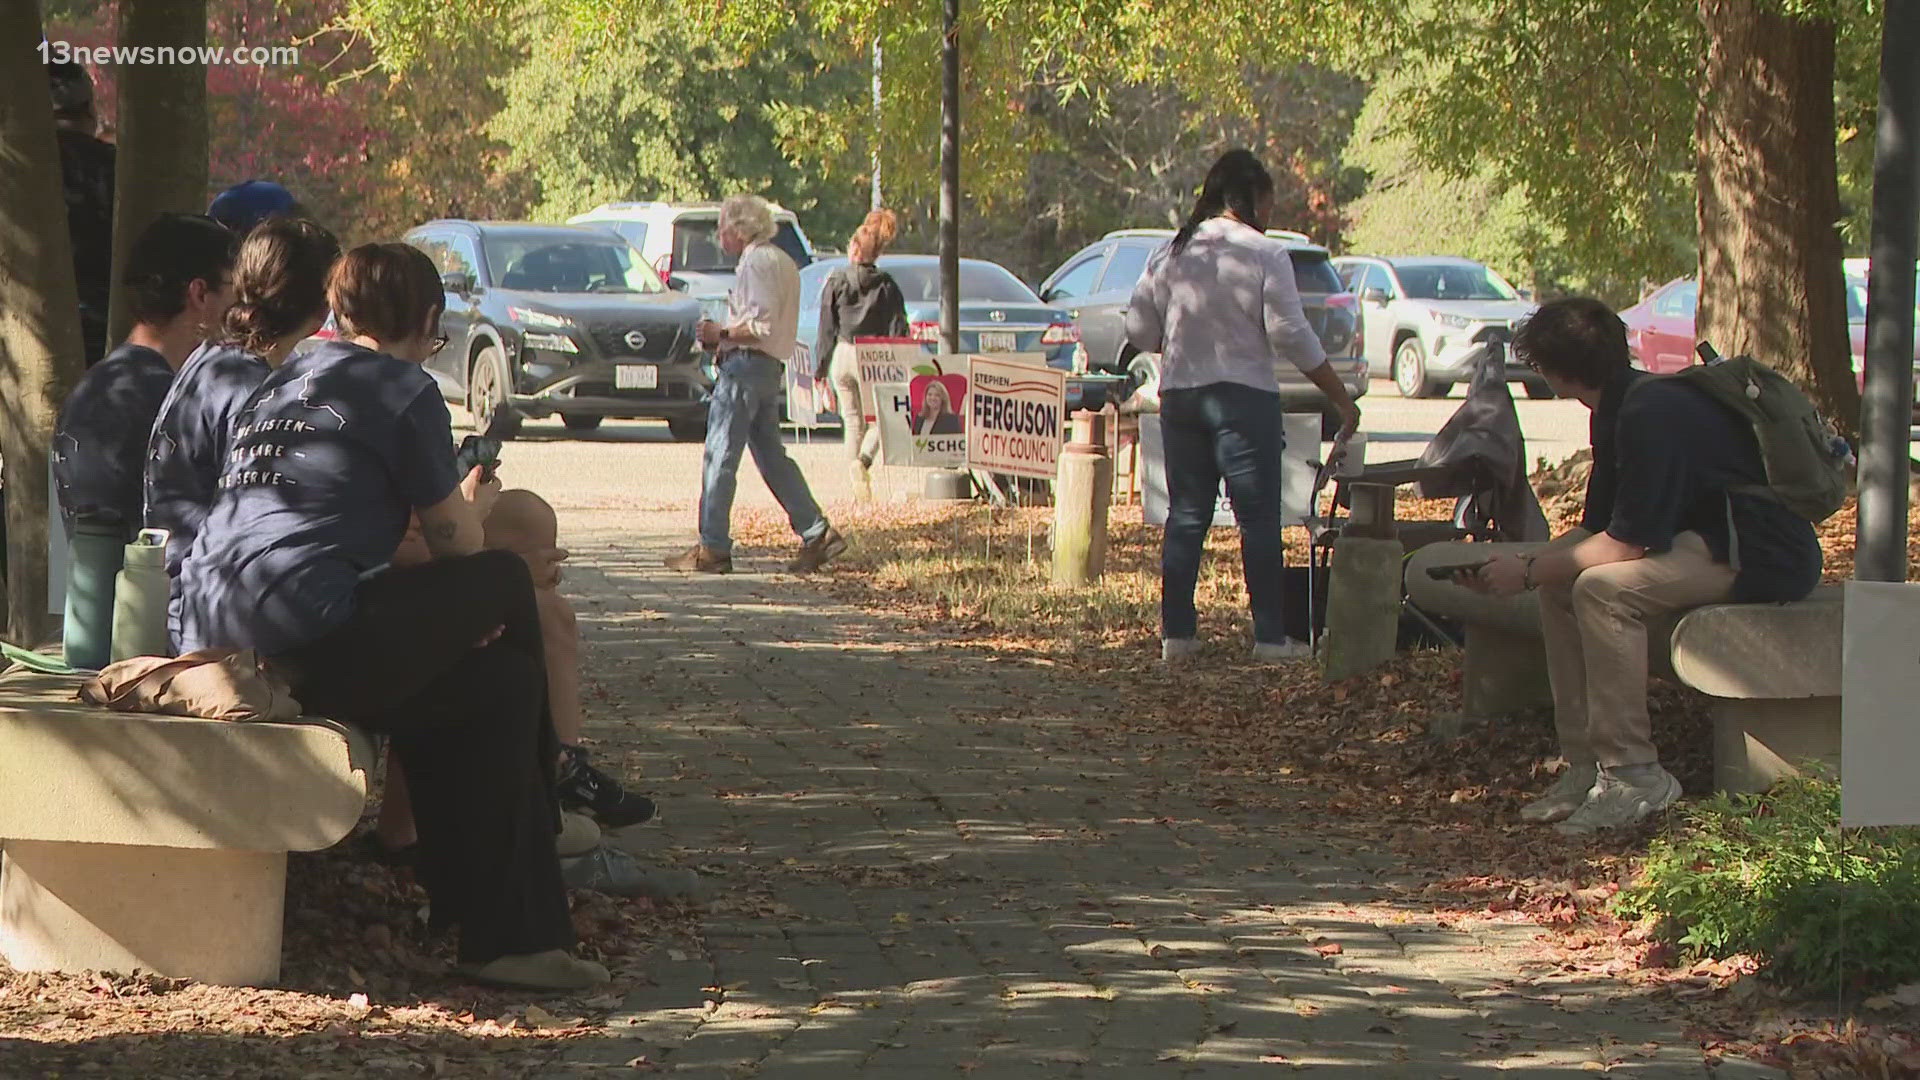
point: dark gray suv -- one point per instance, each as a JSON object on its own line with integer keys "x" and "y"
{"x": 567, "y": 319}
{"x": 1096, "y": 284}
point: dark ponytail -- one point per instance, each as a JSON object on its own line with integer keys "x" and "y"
{"x": 280, "y": 281}
{"x": 1237, "y": 182}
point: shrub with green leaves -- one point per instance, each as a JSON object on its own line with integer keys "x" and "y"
{"x": 1775, "y": 877}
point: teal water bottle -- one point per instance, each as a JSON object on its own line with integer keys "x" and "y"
{"x": 95, "y": 551}
{"x": 140, "y": 598}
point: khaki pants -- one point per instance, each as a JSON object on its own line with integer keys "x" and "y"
{"x": 1596, "y": 636}
{"x": 861, "y": 441}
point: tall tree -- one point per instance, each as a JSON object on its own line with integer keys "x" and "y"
{"x": 39, "y": 314}
{"x": 1769, "y": 199}
{"x": 162, "y": 112}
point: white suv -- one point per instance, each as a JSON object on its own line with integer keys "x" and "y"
{"x": 1423, "y": 319}
{"x": 681, "y": 241}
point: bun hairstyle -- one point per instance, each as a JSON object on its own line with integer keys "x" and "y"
{"x": 875, "y": 234}
{"x": 280, "y": 281}
{"x": 384, "y": 291}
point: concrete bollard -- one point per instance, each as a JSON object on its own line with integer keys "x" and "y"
{"x": 1363, "y": 605}
{"x": 1083, "y": 489}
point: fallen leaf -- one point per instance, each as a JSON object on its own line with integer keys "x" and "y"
{"x": 1329, "y": 948}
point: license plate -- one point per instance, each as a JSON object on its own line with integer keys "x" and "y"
{"x": 636, "y": 377}
{"x": 998, "y": 341}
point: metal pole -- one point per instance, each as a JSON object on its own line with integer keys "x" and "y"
{"x": 876, "y": 124}
{"x": 1886, "y": 414}
{"x": 950, "y": 179}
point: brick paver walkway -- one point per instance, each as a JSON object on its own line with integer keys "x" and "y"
{"x": 922, "y": 876}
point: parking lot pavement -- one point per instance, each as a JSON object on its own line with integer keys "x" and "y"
{"x": 922, "y": 871}
{"x": 636, "y": 465}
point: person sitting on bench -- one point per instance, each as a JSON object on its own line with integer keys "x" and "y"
{"x": 179, "y": 282}
{"x": 329, "y": 457}
{"x": 525, "y": 524}
{"x": 1674, "y": 520}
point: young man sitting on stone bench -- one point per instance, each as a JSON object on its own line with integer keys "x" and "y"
{"x": 1669, "y": 525}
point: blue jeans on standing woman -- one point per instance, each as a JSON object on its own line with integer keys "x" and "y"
{"x": 1222, "y": 430}
{"x": 745, "y": 415}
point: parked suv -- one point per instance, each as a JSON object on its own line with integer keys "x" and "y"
{"x": 1423, "y": 316}
{"x": 545, "y": 319}
{"x": 1096, "y": 284}
{"x": 682, "y": 240}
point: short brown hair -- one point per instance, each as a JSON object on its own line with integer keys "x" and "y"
{"x": 1577, "y": 338}
{"x": 384, "y": 291}
{"x": 280, "y": 281}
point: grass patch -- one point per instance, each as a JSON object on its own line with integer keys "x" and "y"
{"x": 1775, "y": 877}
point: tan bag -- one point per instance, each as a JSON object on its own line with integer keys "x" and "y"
{"x": 212, "y": 684}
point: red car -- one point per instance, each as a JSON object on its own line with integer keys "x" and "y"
{"x": 1660, "y": 327}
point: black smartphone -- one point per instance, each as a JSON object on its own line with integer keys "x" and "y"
{"x": 1458, "y": 570}
{"x": 477, "y": 450}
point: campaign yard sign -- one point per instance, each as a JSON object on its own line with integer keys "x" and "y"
{"x": 1016, "y": 415}
{"x": 810, "y": 401}
{"x": 923, "y": 419}
{"x": 888, "y": 360}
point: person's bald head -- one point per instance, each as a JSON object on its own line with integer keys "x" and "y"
{"x": 521, "y": 521}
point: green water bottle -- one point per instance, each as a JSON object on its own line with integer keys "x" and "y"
{"x": 140, "y": 598}
{"x": 95, "y": 550}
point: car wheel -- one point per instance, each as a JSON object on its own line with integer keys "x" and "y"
{"x": 1540, "y": 391}
{"x": 1141, "y": 393}
{"x": 576, "y": 422}
{"x": 493, "y": 415}
{"x": 688, "y": 430}
{"x": 1410, "y": 370}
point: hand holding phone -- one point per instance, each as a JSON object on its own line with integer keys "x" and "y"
{"x": 478, "y": 450}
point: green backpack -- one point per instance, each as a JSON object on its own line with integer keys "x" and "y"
{"x": 1808, "y": 464}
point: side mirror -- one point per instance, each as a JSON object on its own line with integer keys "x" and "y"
{"x": 456, "y": 282}
{"x": 1048, "y": 296}
{"x": 1375, "y": 295}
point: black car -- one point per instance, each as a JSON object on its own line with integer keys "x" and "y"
{"x": 1096, "y": 284}
{"x": 545, "y": 319}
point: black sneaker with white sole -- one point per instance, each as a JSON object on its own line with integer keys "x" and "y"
{"x": 599, "y": 796}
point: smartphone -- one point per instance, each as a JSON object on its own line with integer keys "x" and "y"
{"x": 1459, "y": 570}
{"x": 477, "y": 450}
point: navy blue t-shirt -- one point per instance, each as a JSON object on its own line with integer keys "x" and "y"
{"x": 1668, "y": 459}
{"x": 190, "y": 440}
{"x": 329, "y": 457}
{"x": 100, "y": 442}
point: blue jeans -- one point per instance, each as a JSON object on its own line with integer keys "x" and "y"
{"x": 1215, "y": 431}
{"x": 745, "y": 414}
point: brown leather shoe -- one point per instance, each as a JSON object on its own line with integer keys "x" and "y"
{"x": 700, "y": 559}
{"x": 817, "y": 553}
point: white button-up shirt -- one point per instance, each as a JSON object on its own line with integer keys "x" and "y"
{"x": 1226, "y": 309}
{"x": 765, "y": 301}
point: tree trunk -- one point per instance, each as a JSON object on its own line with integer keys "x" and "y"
{"x": 39, "y": 314}
{"x": 1769, "y": 200}
{"x": 162, "y": 131}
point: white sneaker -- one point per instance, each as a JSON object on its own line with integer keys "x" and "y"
{"x": 862, "y": 478}
{"x": 1175, "y": 650}
{"x": 1566, "y": 795}
{"x": 1268, "y": 652}
{"x": 1617, "y": 801}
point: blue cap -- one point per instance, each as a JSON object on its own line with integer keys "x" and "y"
{"x": 247, "y": 204}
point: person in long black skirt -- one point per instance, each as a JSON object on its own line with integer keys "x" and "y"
{"x": 329, "y": 458}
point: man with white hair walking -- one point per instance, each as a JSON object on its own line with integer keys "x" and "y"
{"x": 757, "y": 339}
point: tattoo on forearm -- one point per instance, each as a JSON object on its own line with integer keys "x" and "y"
{"x": 442, "y": 532}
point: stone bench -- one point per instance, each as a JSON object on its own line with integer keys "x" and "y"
{"x": 1771, "y": 672}
{"x": 157, "y": 842}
